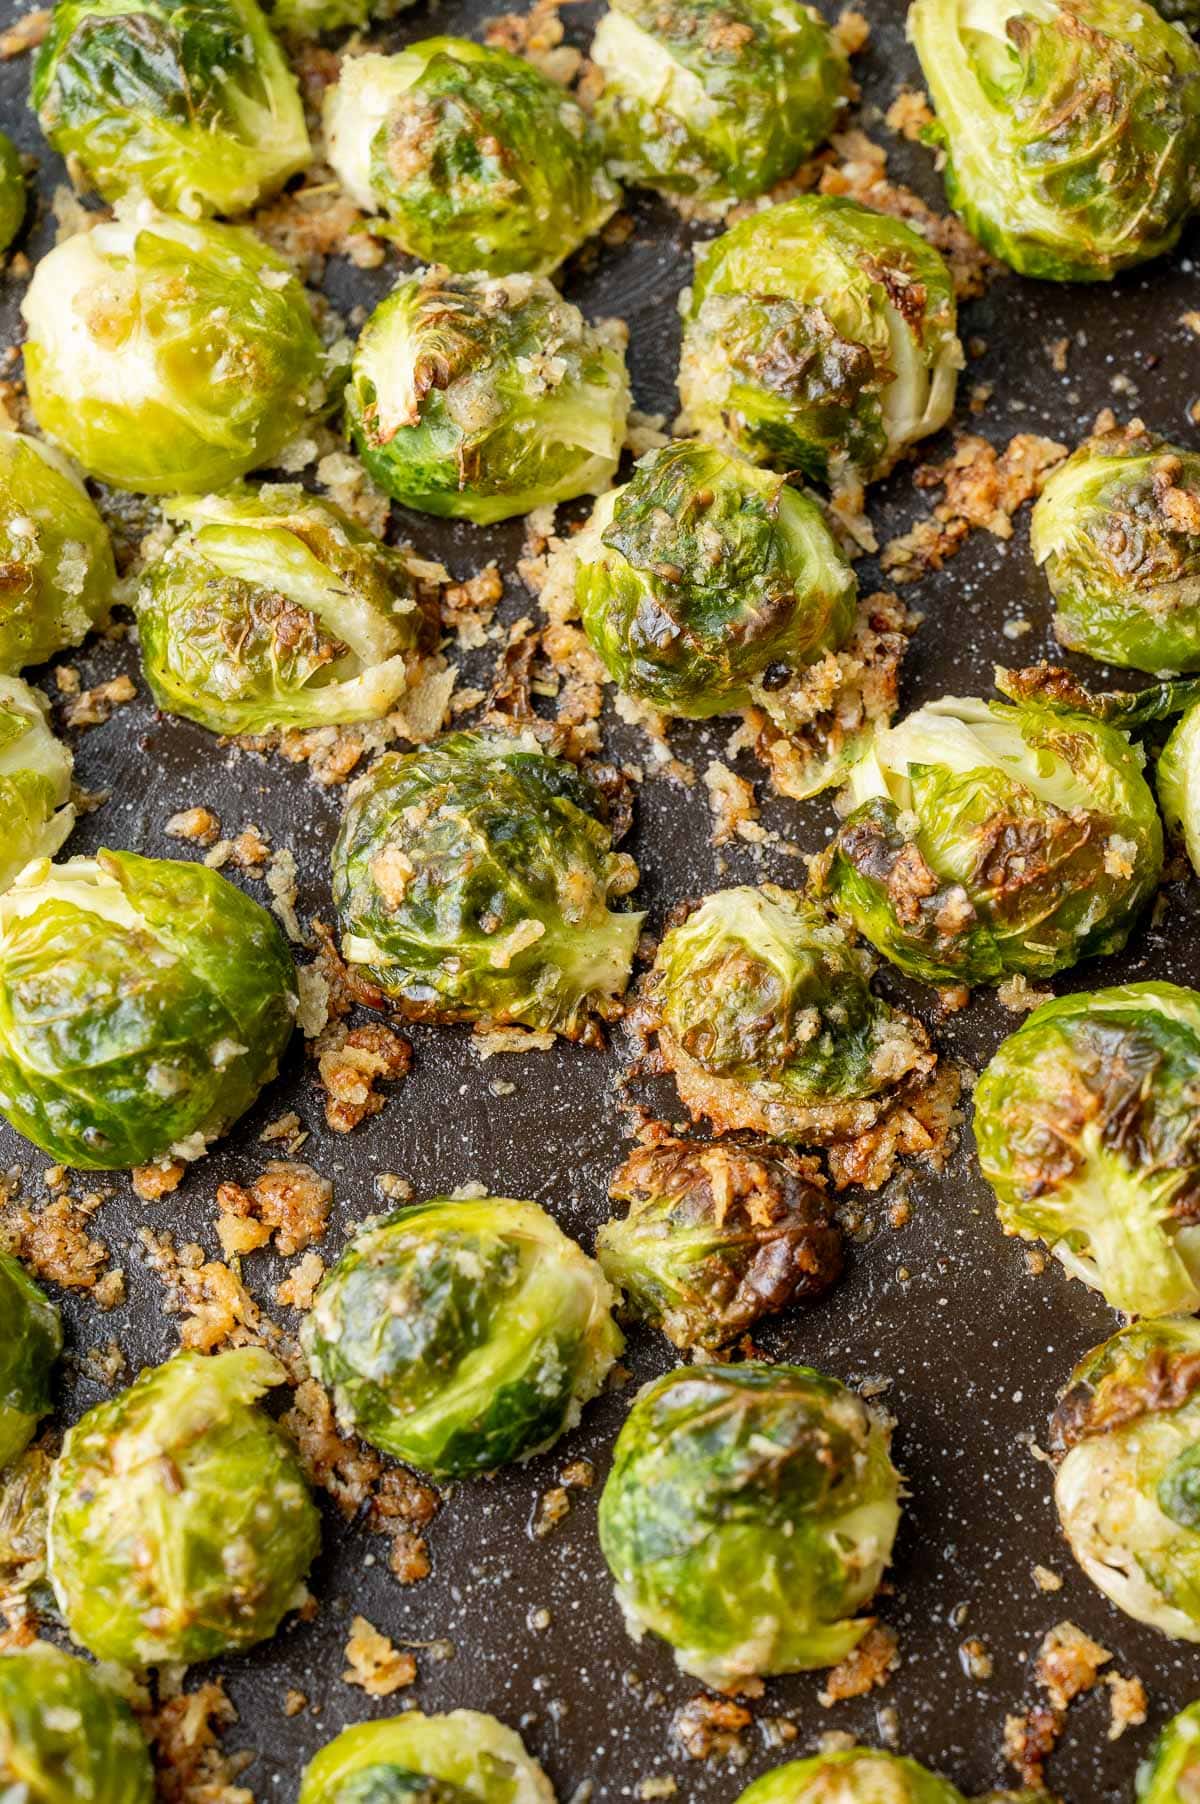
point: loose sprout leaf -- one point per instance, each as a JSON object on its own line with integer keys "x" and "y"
{"x": 14, "y": 200}
{"x": 35, "y": 781}
{"x": 30, "y": 1343}
{"x": 65, "y": 1733}
{"x": 1172, "y": 1768}
{"x": 1177, "y": 778}
{"x": 58, "y": 563}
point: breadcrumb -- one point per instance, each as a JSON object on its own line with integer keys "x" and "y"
{"x": 373, "y": 1664}
{"x": 866, "y": 1668}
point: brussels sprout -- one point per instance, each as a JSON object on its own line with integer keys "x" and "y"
{"x": 1128, "y": 1488}
{"x": 459, "y": 1336}
{"x": 272, "y": 609}
{"x": 1071, "y": 128}
{"x": 30, "y": 1342}
{"x": 1177, "y": 778}
{"x": 181, "y": 1526}
{"x": 1171, "y": 1772}
{"x": 65, "y": 1735}
{"x": 35, "y": 781}
{"x": 432, "y": 1759}
{"x": 704, "y": 584}
{"x": 312, "y": 18}
{"x": 482, "y": 397}
{"x": 718, "y": 1234}
{"x": 473, "y": 878}
{"x": 480, "y": 161}
{"x": 819, "y": 336}
{"x": 57, "y": 563}
{"x": 719, "y": 99}
{"x": 190, "y": 102}
{"x": 170, "y": 357}
{"x": 992, "y": 838}
{"x": 144, "y": 1003}
{"x": 851, "y": 1776}
{"x": 765, "y": 1016}
{"x": 749, "y": 1512}
{"x": 13, "y": 198}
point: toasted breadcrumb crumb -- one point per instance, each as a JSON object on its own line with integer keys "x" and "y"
{"x": 983, "y": 489}
{"x": 288, "y": 1200}
{"x": 852, "y": 31}
{"x": 150, "y": 1182}
{"x": 52, "y": 1239}
{"x": 25, "y": 35}
{"x": 374, "y": 1664}
{"x": 553, "y": 1507}
{"x": 868, "y": 1667}
{"x": 191, "y": 1767}
{"x": 1019, "y": 997}
{"x": 1045, "y": 1580}
{"x": 1068, "y": 1663}
{"x": 708, "y": 1728}
{"x": 350, "y": 1063}
{"x": 299, "y": 1288}
{"x": 1127, "y": 1704}
{"x": 94, "y": 706}
{"x": 909, "y": 114}
{"x": 199, "y": 825}
{"x": 538, "y": 36}
{"x": 731, "y": 802}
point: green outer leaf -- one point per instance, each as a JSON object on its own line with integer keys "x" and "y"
{"x": 851, "y": 1776}
{"x": 14, "y": 198}
{"x": 30, "y": 1343}
{"x": 59, "y": 578}
{"x": 65, "y": 1735}
{"x": 147, "y": 1571}
{"x": 1177, "y": 777}
{"x": 35, "y": 780}
{"x": 1171, "y": 1770}
{"x": 313, "y": 18}
{"x": 464, "y": 1749}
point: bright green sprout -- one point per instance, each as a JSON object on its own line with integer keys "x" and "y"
{"x": 820, "y": 337}
{"x": 313, "y": 18}
{"x": 144, "y": 1003}
{"x": 749, "y": 1513}
{"x": 65, "y": 1735}
{"x": 1128, "y": 1487}
{"x": 460, "y": 1336}
{"x": 30, "y": 1343}
{"x": 59, "y": 573}
{"x": 188, "y": 102}
{"x": 851, "y": 1776}
{"x": 479, "y": 160}
{"x": 766, "y": 1018}
{"x": 473, "y": 878}
{"x": 706, "y": 584}
{"x": 1087, "y": 1124}
{"x": 35, "y": 781}
{"x": 715, "y": 99}
{"x": 1170, "y": 1774}
{"x": 718, "y": 1234}
{"x": 464, "y": 1757}
{"x": 169, "y": 356}
{"x": 1117, "y": 531}
{"x": 1071, "y": 128}
{"x": 486, "y": 396}
{"x": 1177, "y": 778}
{"x": 181, "y": 1526}
{"x": 14, "y": 200}
{"x": 272, "y": 609}
{"x": 992, "y": 839}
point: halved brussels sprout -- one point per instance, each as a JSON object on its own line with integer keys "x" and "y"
{"x": 766, "y": 1018}
{"x": 1128, "y": 1488}
{"x": 460, "y": 1336}
{"x": 30, "y": 1343}
{"x": 993, "y": 838}
{"x": 473, "y": 878}
{"x": 1087, "y": 1124}
{"x": 819, "y": 336}
{"x": 35, "y": 780}
{"x": 144, "y": 1003}
{"x": 486, "y": 396}
{"x": 1170, "y": 1774}
{"x": 189, "y": 102}
{"x": 705, "y": 584}
{"x": 181, "y": 1526}
{"x": 1071, "y": 128}
{"x": 13, "y": 197}
{"x": 1117, "y": 530}
{"x": 168, "y": 356}
{"x": 479, "y": 160}
{"x": 719, "y": 99}
{"x": 851, "y": 1776}
{"x": 313, "y": 18}
{"x": 65, "y": 1735}
{"x": 749, "y": 1513}
{"x": 55, "y": 555}
{"x": 416, "y": 1759}
{"x": 1177, "y": 779}
{"x": 273, "y": 609}
{"x": 719, "y": 1233}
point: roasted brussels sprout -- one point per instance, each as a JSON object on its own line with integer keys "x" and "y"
{"x": 479, "y": 160}
{"x": 1128, "y": 1488}
{"x": 144, "y": 1003}
{"x": 181, "y": 1526}
{"x": 487, "y": 396}
{"x": 13, "y": 198}
{"x": 1087, "y": 1123}
{"x": 167, "y": 356}
{"x": 704, "y": 583}
{"x": 765, "y": 1016}
{"x": 1177, "y": 779}
{"x": 459, "y": 1336}
{"x": 749, "y": 1512}
{"x": 819, "y": 336}
{"x": 1117, "y": 530}
{"x": 989, "y": 839}
{"x": 1171, "y": 1772}
{"x": 1071, "y": 128}
{"x": 312, "y": 18}
{"x": 716, "y": 99}
{"x": 189, "y": 102}
{"x": 30, "y": 1342}
{"x": 473, "y": 878}
{"x": 65, "y": 1735}
{"x": 464, "y": 1757}
{"x": 272, "y": 609}
{"x": 59, "y": 573}
{"x": 851, "y": 1776}
{"x": 35, "y": 781}
{"x": 718, "y": 1234}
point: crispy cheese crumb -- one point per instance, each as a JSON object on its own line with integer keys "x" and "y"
{"x": 373, "y": 1664}
{"x": 866, "y": 1668}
